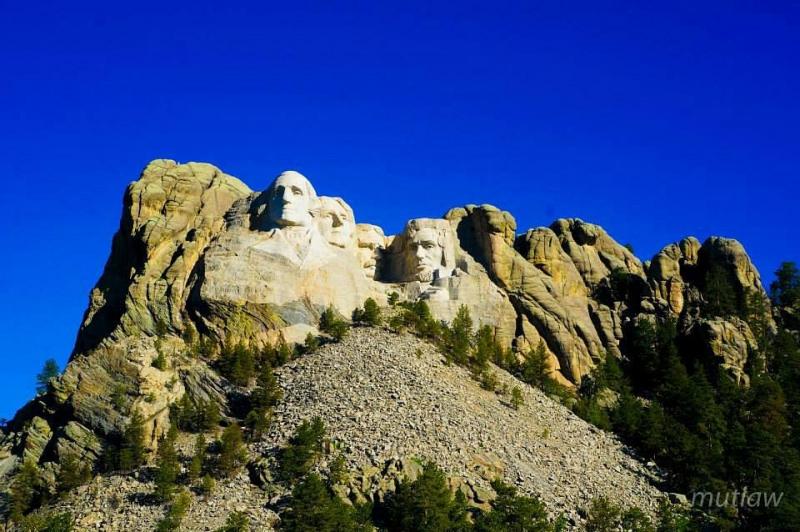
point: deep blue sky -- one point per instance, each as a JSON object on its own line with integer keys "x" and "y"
{"x": 656, "y": 122}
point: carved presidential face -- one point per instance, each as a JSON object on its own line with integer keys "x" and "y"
{"x": 428, "y": 250}
{"x": 336, "y": 221}
{"x": 290, "y": 200}
{"x": 428, "y": 253}
{"x": 371, "y": 243}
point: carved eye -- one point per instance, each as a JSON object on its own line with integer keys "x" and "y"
{"x": 297, "y": 191}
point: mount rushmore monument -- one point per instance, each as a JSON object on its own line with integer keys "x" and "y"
{"x": 197, "y": 245}
{"x": 198, "y": 250}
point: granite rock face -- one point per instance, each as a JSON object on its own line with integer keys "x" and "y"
{"x": 169, "y": 217}
{"x": 198, "y": 251}
{"x": 197, "y": 246}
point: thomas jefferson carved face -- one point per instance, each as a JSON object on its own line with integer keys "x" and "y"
{"x": 291, "y": 198}
{"x": 336, "y": 221}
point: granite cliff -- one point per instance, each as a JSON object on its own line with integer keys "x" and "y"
{"x": 200, "y": 254}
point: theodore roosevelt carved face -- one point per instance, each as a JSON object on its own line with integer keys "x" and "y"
{"x": 371, "y": 243}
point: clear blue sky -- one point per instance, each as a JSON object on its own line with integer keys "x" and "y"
{"x": 656, "y": 122}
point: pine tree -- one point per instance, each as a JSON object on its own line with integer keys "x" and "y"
{"x": 516, "y": 397}
{"x": 237, "y": 363}
{"x": 160, "y": 362}
{"x": 175, "y": 514}
{"x": 199, "y": 458}
{"x": 167, "y": 466}
{"x": 232, "y": 454}
{"x": 372, "y": 313}
{"x": 24, "y": 490}
{"x": 208, "y": 415}
{"x": 720, "y": 297}
{"x": 305, "y": 445}
{"x": 534, "y": 368}
{"x": 132, "y": 450}
{"x": 461, "y": 336}
{"x": 236, "y": 522}
{"x": 424, "y": 504}
{"x": 313, "y": 508}
{"x": 267, "y": 392}
{"x": 604, "y": 516}
{"x": 785, "y": 289}
{"x": 327, "y": 319}
{"x": 511, "y": 512}
{"x": 262, "y": 400}
{"x": 49, "y": 371}
{"x": 72, "y": 474}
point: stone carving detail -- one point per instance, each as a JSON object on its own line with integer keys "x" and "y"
{"x": 424, "y": 251}
{"x": 279, "y": 257}
{"x": 336, "y": 222}
{"x": 371, "y": 246}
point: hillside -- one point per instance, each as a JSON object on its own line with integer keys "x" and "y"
{"x": 210, "y": 286}
{"x": 387, "y": 397}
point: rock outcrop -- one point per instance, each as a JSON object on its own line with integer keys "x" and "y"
{"x": 169, "y": 217}
{"x": 198, "y": 252}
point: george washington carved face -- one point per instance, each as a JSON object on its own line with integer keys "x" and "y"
{"x": 290, "y": 200}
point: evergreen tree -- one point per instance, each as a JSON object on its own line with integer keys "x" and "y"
{"x": 132, "y": 450}
{"x": 516, "y": 397}
{"x": 327, "y": 319}
{"x": 425, "y": 504}
{"x": 160, "y": 362}
{"x": 238, "y": 363}
{"x": 513, "y": 513}
{"x": 72, "y": 474}
{"x": 232, "y": 450}
{"x": 313, "y": 508}
{"x": 167, "y": 466}
{"x": 534, "y": 368}
{"x": 311, "y": 344}
{"x": 208, "y": 415}
{"x": 604, "y": 516}
{"x": 461, "y": 336}
{"x": 236, "y": 522}
{"x": 720, "y": 296}
{"x": 262, "y": 400}
{"x": 175, "y": 514}
{"x": 372, "y": 313}
{"x": 199, "y": 458}
{"x": 304, "y": 447}
{"x": 24, "y": 490}
{"x": 643, "y": 360}
{"x": 785, "y": 289}
{"x": 488, "y": 349}
{"x": 49, "y": 371}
